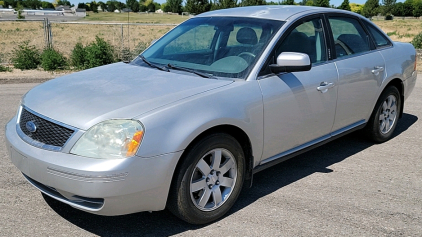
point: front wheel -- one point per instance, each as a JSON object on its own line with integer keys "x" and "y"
{"x": 384, "y": 118}
{"x": 208, "y": 179}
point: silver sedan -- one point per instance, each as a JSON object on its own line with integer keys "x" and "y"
{"x": 220, "y": 97}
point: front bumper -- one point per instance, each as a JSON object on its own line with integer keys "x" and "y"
{"x": 99, "y": 186}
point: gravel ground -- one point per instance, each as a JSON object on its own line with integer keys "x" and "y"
{"x": 348, "y": 187}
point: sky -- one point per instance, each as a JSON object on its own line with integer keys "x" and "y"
{"x": 333, "y": 2}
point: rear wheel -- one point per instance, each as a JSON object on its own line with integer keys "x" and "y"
{"x": 384, "y": 118}
{"x": 208, "y": 180}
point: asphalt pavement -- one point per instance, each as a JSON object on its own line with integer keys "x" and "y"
{"x": 348, "y": 187}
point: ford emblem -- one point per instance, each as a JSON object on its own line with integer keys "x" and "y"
{"x": 30, "y": 126}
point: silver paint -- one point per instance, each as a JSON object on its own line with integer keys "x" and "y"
{"x": 280, "y": 114}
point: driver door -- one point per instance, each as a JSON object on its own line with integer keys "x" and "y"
{"x": 296, "y": 113}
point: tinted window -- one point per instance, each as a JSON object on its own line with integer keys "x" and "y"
{"x": 349, "y": 36}
{"x": 380, "y": 39}
{"x": 308, "y": 38}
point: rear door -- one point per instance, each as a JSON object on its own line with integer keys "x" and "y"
{"x": 360, "y": 70}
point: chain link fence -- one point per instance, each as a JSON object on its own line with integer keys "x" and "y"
{"x": 128, "y": 40}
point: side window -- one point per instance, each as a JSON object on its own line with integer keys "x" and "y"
{"x": 308, "y": 38}
{"x": 198, "y": 38}
{"x": 380, "y": 39}
{"x": 349, "y": 36}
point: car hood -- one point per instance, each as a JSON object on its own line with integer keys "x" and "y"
{"x": 114, "y": 91}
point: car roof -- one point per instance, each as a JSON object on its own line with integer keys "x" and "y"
{"x": 273, "y": 12}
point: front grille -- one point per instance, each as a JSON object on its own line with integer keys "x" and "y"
{"x": 46, "y": 132}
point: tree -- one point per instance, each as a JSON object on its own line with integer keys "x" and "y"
{"x": 345, "y": 5}
{"x": 19, "y": 8}
{"x": 387, "y": 7}
{"x": 370, "y": 8}
{"x": 129, "y": 3}
{"x": 287, "y": 2}
{"x": 63, "y": 2}
{"x": 11, "y": 3}
{"x": 174, "y": 6}
{"x": 273, "y": 3}
{"x": 197, "y": 6}
{"x": 82, "y": 5}
{"x": 133, "y": 5}
{"x": 119, "y": 5}
{"x": 322, "y": 3}
{"x": 136, "y": 7}
{"x": 356, "y": 8}
{"x": 165, "y": 7}
{"x": 255, "y": 2}
{"x": 111, "y": 6}
{"x": 102, "y": 5}
{"x": 32, "y": 4}
{"x": 157, "y": 5}
{"x": 408, "y": 8}
{"x": 46, "y": 5}
{"x": 309, "y": 3}
{"x": 151, "y": 7}
{"x": 417, "y": 8}
{"x": 223, "y": 4}
{"x": 93, "y": 6}
{"x": 398, "y": 9}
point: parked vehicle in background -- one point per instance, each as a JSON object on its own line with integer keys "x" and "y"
{"x": 222, "y": 96}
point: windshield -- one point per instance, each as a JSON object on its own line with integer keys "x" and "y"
{"x": 218, "y": 46}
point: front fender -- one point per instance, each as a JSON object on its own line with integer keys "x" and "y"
{"x": 174, "y": 127}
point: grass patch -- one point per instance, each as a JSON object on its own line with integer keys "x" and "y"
{"x": 135, "y": 18}
{"x": 400, "y": 30}
{"x": 5, "y": 69}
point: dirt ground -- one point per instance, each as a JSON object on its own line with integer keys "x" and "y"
{"x": 29, "y": 76}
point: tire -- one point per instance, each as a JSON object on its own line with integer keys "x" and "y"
{"x": 384, "y": 118}
{"x": 202, "y": 191}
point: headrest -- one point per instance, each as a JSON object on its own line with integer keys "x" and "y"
{"x": 246, "y": 36}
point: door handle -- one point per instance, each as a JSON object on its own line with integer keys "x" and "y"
{"x": 377, "y": 70}
{"x": 324, "y": 86}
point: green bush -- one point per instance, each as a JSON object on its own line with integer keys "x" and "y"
{"x": 99, "y": 53}
{"x": 5, "y": 69}
{"x": 417, "y": 41}
{"x": 77, "y": 57}
{"x": 25, "y": 56}
{"x": 388, "y": 18}
{"x": 52, "y": 60}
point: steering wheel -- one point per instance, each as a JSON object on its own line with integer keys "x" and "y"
{"x": 340, "y": 45}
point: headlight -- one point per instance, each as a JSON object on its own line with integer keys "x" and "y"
{"x": 112, "y": 139}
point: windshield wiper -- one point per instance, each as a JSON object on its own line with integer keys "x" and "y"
{"x": 190, "y": 70}
{"x": 153, "y": 65}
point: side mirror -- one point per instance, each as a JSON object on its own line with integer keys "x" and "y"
{"x": 291, "y": 62}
